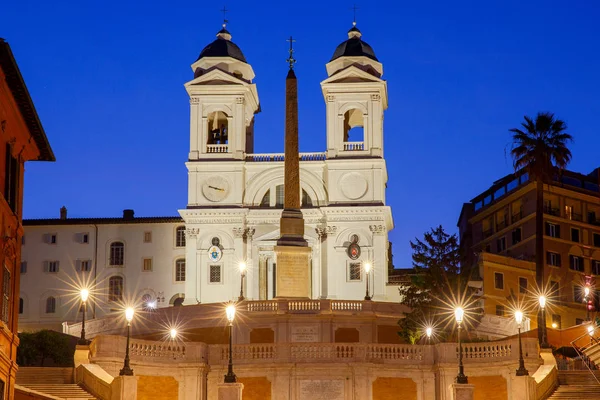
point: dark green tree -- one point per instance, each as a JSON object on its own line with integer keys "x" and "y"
{"x": 437, "y": 281}
{"x": 38, "y": 347}
{"x": 540, "y": 147}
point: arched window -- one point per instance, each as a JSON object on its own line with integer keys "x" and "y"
{"x": 50, "y": 305}
{"x": 178, "y": 302}
{"x": 148, "y": 302}
{"x": 180, "y": 270}
{"x": 306, "y": 201}
{"x": 180, "y": 236}
{"x": 218, "y": 130}
{"x": 353, "y": 130}
{"x": 115, "y": 288}
{"x": 117, "y": 253}
{"x": 266, "y": 200}
{"x": 21, "y": 305}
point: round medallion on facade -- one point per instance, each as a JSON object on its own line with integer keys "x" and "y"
{"x": 354, "y": 251}
{"x": 354, "y": 185}
{"x": 215, "y": 188}
{"x": 214, "y": 253}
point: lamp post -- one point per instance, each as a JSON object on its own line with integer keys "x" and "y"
{"x": 521, "y": 371}
{"x": 84, "y": 293}
{"x": 459, "y": 314}
{"x": 544, "y": 338}
{"x": 126, "y": 370}
{"x": 242, "y": 275}
{"x": 230, "y": 312}
{"x": 367, "y": 270}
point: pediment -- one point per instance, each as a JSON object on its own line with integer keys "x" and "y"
{"x": 216, "y": 76}
{"x": 352, "y": 73}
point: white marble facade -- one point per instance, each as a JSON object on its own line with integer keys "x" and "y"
{"x": 235, "y": 199}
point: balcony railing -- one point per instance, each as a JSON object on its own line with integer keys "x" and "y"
{"x": 277, "y": 157}
{"x": 354, "y": 146}
{"x": 576, "y": 217}
{"x": 487, "y": 233}
{"x": 551, "y": 211}
{"x": 217, "y": 148}
{"x": 593, "y": 220}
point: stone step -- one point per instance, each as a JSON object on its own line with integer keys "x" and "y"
{"x": 64, "y": 391}
{"x": 44, "y": 375}
{"x": 578, "y": 378}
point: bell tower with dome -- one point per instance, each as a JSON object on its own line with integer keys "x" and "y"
{"x": 355, "y": 97}
{"x": 223, "y": 102}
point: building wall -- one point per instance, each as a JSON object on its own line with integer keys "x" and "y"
{"x": 17, "y": 145}
{"x": 37, "y": 284}
{"x": 492, "y": 233}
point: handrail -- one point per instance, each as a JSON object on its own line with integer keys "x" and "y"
{"x": 580, "y": 353}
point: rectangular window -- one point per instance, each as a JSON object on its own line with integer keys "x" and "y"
{"x": 84, "y": 265}
{"x": 556, "y": 320}
{"x": 23, "y": 267}
{"x": 147, "y": 237}
{"x": 6, "y": 295}
{"x": 499, "y": 280}
{"x": 522, "y": 285}
{"x": 180, "y": 270}
{"x": 516, "y": 236}
{"x": 488, "y": 248}
{"x": 595, "y": 267}
{"x": 215, "y": 274}
{"x": 147, "y": 264}
{"x": 180, "y": 236}
{"x": 279, "y": 196}
{"x": 578, "y": 294}
{"x": 596, "y": 240}
{"x": 575, "y": 235}
{"x": 553, "y": 259}
{"x": 51, "y": 266}
{"x": 576, "y": 263}
{"x": 500, "y": 310}
{"x": 354, "y": 272}
{"x": 501, "y": 244}
{"x": 552, "y": 230}
{"x": 568, "y": 212}
{"x": 1, "y": 389}
{"x": 50, "y": 238}
{"x": 11, "y": 181}
{"x": 554, "y": 289}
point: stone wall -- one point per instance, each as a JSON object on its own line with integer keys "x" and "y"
{"x": 390, "y": 388}
{"x": 157, "y": 388}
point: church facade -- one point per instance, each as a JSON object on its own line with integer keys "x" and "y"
{"x": 235, "y": 201}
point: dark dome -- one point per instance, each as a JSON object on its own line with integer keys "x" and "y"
{"x": 222, "y": 47}
{"x": 354, "y": 47}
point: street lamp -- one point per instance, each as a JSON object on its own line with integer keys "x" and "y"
{"x": 230, "y": 312}
{"x": 84, "y": 294}
{"x": 126, "y": 370}
{"x": 429, "y": 332}
{"x": 586, "y": 298}
{"x": 542, "y": 327}
{"x": 459, "y": 314}
{"x": 367, "y": 270}
{"x": 242, "y": 275}
{"x": 521, "y": 371}
{"x": 173, "y": 333}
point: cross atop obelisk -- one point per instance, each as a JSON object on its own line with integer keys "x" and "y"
{"x": 292, "y": 251}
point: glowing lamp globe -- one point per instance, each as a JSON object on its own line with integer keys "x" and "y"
{"x": 230, "y": 311}
{"x": 129, "y": 314}
{"x": 173, "y": 333}
{"x": 542, "y": 301}
{"x": 85, "y": 293}
{"x": 429, "y": 331}
{"x": 459, "y": 314}
{"x": 367, "y": 267}
{"x": 519, "y": 316}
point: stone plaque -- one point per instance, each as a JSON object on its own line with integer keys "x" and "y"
{"x": 305, "y": 334}
{"x": 321, "y": 389}
{"x": 293, "y": 272}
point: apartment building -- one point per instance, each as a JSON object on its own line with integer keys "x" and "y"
{"x": 501, "y": 222}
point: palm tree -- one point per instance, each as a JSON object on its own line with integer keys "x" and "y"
{"x": 540, "y": 147}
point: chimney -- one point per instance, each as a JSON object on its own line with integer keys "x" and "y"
{"x": 63, "y": 213}
{"x": 128, "y": 215}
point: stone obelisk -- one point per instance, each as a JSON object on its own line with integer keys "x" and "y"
{"x": 292, "y": 251}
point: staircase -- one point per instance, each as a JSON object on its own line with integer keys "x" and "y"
{"x": 57, "y": 382}
{"x": 577, "y": 385}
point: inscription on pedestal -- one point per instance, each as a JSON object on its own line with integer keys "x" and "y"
{"x": 293, "y": 271}
{"x": 305, "y": 334}
{"x": 321, "y": 390}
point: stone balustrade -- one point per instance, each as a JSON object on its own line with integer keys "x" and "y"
{"x": 279, "y": 157}
{"x": 354, "y": 146}
{"x": 217, "y": 148}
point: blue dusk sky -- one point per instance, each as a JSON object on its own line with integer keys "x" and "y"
{"x": 107, "y": 81}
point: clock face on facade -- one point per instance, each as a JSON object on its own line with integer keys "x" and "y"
{"x": 215, "y": 188}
